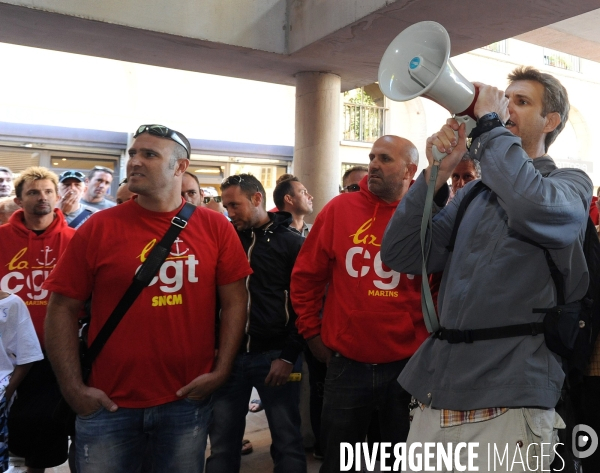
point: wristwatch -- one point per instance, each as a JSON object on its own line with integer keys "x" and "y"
{"x": 487, "y": 122}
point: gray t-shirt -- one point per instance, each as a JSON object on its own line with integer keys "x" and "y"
{"x": 102, "y": 205}
{"x": 70, "y": 217}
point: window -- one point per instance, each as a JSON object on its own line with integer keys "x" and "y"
{"x": 497, "y": 47}
{"x": 266, "y": 177}
{"x": 364, "y": 114}
{"x": 561, "y": 60}
{"x": 266, "y": 174}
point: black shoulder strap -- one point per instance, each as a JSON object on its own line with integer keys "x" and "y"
{"x": 557, "y": 277}
{"x": 142, "y": 278}
{"x": 477, "y": 189}
{"x": 467, "y": 199}
{"x": 85, "y": 213}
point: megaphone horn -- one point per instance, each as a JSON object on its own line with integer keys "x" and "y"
{"x": 417, "y": 63}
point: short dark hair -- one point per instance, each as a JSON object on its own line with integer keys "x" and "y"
{"x": 555, "y": 99}
{"x": 282, "y": 189}
{"x": 353, "y": 169}
{"x": 284, "y": 177}
{"x": 5, "y": 169}
{"x": 96, "y": 169}
{"x": 195, "y": 178}
{"x": 248, "y": 184}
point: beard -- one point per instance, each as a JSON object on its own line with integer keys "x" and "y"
{"x": 42, "y": 210}
{"x": 386, "y": 190}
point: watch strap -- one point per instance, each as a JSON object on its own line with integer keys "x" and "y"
{"x": 487, "y": 122}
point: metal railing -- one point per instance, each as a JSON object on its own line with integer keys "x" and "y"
{"x": 562, "y": 60}
{"x": 363, "y": 122}
{"x": 497, "y": 47}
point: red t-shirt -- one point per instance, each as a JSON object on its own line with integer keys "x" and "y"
{"x": 167, "y": 338}
{"x": 594, "y": 214}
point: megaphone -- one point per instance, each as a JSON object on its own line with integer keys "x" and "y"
{"x": 417, "y": 63}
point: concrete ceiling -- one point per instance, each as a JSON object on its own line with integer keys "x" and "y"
{"x": 352, "y": 51}
{"x": 579, "y": 36}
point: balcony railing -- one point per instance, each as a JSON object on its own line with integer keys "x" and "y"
{"x": 561, "y": 60}
{"x": 497, "y": 47}
{"x": 363, "y": 122}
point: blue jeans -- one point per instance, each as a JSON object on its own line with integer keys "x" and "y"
{"x": 172, "y": 434}
{"x": 354, "y": 393}
{"x": 281, "y": 404}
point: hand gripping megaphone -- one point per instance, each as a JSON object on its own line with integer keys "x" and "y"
{"x": 417, "y": 63}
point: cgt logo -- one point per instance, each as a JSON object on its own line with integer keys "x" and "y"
{"x": 173, "y": 272}
{"x": 584, "y": 441}
{"x": 13, "y": 283}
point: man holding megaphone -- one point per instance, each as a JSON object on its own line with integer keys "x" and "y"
{"x": 473, "y": 380}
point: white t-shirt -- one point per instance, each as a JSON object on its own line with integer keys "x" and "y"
{"x": 19, "y": 344}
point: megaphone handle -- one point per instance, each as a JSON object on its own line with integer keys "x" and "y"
{"x": 469, "y": 125}
{"x": 437, "y": 154}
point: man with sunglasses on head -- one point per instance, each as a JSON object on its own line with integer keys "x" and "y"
{"x": 191, "y": 190}
{"x": 272, "y": 346}
{"x": 98, "y": 183}
{"x": 71, "y": 186}
{"x": 148, "y": 398}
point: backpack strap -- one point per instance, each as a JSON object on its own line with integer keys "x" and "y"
{"x": 507, "y": 331}
{"x": 477, "y": 189}
{"x": 493, "y": 333}
{"x": 84, "y": 214}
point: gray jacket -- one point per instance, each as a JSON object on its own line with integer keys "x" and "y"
{"x": 494, "y": 277}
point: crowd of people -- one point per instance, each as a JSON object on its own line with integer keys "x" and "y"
{"x": 237, "y": 303}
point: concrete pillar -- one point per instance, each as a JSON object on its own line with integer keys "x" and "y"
{"x": 316, "y": 152}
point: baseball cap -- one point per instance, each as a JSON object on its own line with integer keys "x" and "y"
{"x": 72, "y": 175}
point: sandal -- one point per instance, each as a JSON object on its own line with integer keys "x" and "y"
{"x": 255, "y": 405}
{"x": 246, "y": 447}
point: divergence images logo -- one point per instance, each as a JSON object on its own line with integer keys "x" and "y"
{"x": 584, "y": 441}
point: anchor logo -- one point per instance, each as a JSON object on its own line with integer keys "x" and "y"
{"x": 45, "y": 252}
{"x": 178, "y": 252}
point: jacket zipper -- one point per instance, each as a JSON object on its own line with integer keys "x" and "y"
{"x": 287, "y": 312}
{"x": 249, "y": 306}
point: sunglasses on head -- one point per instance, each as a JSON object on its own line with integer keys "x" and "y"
{"x": 163, "y": 132}
{"x": 217, "y": 199}
{"x": 72, "y": 174}
{"x": 350, "y": 188}
{"x": 235, "y": 180}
